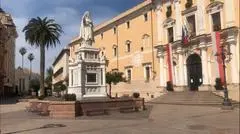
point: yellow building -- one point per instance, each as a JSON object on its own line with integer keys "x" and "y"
{"x": 7, "y": 43}
{"x": 135, "y": 41}
{"x": 60, "y": 68}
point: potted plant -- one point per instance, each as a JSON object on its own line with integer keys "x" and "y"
{"x": 69, "y": 97}
{"x": 218, "y": 84}
{"x": 169, "y": 86}
{"x": 136, "y": 95}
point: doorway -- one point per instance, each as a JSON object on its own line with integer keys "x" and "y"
{"x": 194, "y": 71}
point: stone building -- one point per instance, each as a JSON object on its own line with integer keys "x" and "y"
{"x": 138, "y": 40}
{"x": 7, "y": 62}
{"x": 22, "y": 80}
{"x": 60, "y": 68}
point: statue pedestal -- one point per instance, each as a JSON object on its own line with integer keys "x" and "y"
{"x": 87, "y": 73}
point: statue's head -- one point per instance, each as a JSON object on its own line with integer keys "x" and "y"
{"x": 87, "y": 14}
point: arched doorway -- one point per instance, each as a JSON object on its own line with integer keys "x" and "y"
{"x": 194, "y": 71}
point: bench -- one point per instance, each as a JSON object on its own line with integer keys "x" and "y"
{"x": 126, "y": 105}
{"x": 91, "y": 107}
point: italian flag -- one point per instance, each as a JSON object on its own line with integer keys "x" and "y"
{"x": 216, "y": 46}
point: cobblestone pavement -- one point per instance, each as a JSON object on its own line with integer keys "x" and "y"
{"x": 158, "y": 119}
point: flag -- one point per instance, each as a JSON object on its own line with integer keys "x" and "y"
{"x": 218, "y": 50}
{"x": 185, "y": 36}
{"x": 169, "y": 62}
{"x": 186, "y": 32}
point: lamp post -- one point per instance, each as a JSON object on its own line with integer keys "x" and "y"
{"x": 225, "y": 56}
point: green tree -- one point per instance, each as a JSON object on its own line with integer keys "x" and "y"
{"x": 35, "y": 84}
{"x": 42, "y": 33}
{"x": 114, "y": 78}
{"x": 48, "y": 79}
{"x": 30, "y": 58}
{"x": 22, "y": 51}
{"x": 59, "y": 88}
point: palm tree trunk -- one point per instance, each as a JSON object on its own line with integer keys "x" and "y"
{"x": 42, "y": 68}
{"x": 30, "y": 70}
{"x": 22, "y": 61}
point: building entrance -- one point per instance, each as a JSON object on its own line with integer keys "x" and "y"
{"x": 194, "y": 71}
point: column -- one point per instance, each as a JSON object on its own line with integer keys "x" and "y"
{"x": 185, "y": 74}
{"x": 159, "y": 23}
{"x": 233, "y": 62}
{"x": 178, "y": 20}
{"x": 229, "y": 13}
{"x": 181, "y": 68}
{"x": 70, "y": 78}
{"x": 200, "y": 18}
{"x": 209, "y": 70}
{"x": 79, "y": 71}
{"x": 161, "y": 72}
{"x": 204, "y": 66}
{"x": 103, "y": 75}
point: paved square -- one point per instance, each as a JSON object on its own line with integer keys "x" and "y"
{"x": 157, "y": 119}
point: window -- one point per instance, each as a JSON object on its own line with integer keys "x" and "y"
{"x": 192, "y": 24}
{"x": 128, "y": 24}
{"x": 216, "y": 21}
{"x": 147, "y": 71}
{"x": 170, "y": 34}
{"x": 145, "y": 17}
{"x": 169, "y": 11}
{"x": 101, "y": 35}
{"x": 114, "y": 30}
{"x": 129, "y": 75}
{"x": 142, "y": 49}
{"x": 115, "y": 51}
{"x": 128, "y": 46}
{"x": 91, "y": 77}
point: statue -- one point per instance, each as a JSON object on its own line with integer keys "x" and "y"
{"x": 86, "y": 29}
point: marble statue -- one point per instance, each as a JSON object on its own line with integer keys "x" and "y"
{"x": 86, "y": 28}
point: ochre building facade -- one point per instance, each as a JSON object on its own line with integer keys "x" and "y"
{"x": 135, "y": 43}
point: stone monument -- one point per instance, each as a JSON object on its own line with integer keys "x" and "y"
{"x": 87, "y": 73}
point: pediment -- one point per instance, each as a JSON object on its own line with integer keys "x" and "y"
{"x": 169, "y": 22}
{"x": 216, "y": 5}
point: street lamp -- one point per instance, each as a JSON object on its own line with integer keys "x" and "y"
{"x": 225, "y": 56}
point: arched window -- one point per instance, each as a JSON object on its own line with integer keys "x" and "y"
{"x": 115, "y": 51}
{"x": 128, "y": 46}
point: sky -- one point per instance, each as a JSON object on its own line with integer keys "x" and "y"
{"x": 67, "y": 13}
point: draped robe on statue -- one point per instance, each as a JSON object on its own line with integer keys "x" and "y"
{"x": 86, "y": 29}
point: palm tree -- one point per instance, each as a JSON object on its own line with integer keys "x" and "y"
{"x": 30, "y": 58}
{"x": 22, "y": 51}
{"x": 42, "y": 33}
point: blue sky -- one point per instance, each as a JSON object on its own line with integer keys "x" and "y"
{"x": 67, "y": 13}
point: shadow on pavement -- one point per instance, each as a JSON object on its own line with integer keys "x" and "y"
{"x": 42, "y": 127}
{"x": 8, "y": 100}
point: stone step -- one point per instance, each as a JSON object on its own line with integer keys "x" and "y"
{"x": 190, "y": 98}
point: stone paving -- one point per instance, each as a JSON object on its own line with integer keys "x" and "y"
{"x": 157, "y": 119}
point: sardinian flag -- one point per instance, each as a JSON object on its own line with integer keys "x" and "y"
{"x": 169, "y": 62}
{"x": 218, "y": 50}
